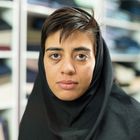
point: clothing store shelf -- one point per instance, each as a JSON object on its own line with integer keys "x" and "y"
{"x": 29, "y": 87}
{"x": 6, "y": 4}
{"x": 125, "y": 57}
{"x": 9, "y": 52}
{"x": 45, "y": 10}
{"x": 6, "y": 97}
{"x": 122, "y": 24}
{"x": 4, "y": 106}
{"x": 39, "y": 9}
{"x": 5, "y": 54}
{"x": 32, "y": 55}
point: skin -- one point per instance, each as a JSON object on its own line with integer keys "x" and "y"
{"x": 69, "y": 64}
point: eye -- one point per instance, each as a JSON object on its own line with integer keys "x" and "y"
{"x": 55, "y": 56}
{"x": 81, "y": 57}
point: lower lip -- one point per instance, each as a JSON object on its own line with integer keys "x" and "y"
{"x": 69, "y": 86}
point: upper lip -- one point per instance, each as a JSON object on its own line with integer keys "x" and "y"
{"x": 67, "y": 82}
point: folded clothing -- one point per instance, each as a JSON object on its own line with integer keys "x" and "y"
{"x": 127, "y": 45}
{"x": 4, "y": 25}
{"x": 4, "y": 69}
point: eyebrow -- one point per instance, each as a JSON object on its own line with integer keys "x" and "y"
{"x": 54, "y": 49}
{"x": 61, "y": 49}
{"x": 81, "y": 49}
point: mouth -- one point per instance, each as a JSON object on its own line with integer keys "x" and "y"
{"x": 67, "y": 85}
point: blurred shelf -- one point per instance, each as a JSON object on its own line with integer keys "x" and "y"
{"x": 45, "y": 10}
{"x": 5, "y": 54}
{"x": 122, "y": 24}
{"x": 24, "y": 100}
{"x": 4, "y": 105}
{"x": 38, "y": 9}
{"x": 125, "y": 57}
{"x": 6, "y": 4}
{"x": 32, "y": 55}
{"x": 29, "y": 87}
{"x": 6, "y": 96}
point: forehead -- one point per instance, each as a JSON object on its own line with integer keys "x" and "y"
{"x": 75, "y": 37}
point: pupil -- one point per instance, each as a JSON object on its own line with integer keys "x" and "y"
{"x": 55, "y": 55}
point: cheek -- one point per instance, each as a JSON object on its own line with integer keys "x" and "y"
{"x": 86, "y": 74}
{"x": 89, "y": 69}
{"x": 51, "y": 73}
{"x": 48, "y": 70}
{"x": 89, "y": 74}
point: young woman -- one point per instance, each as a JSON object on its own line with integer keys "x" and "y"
{"x": 74, "y": 96}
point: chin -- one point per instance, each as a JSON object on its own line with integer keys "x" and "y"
{"x": 67, "y": 98}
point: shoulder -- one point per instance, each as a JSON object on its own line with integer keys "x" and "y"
{"x": 121, "y": 120}
{"x": 125, "y": 111}
{"x": 119, "y": 102}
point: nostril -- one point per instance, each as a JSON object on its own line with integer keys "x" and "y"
{"x": 68, "y": 72}
{"x": 68, "y": 68}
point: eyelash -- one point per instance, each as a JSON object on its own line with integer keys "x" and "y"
{"x": 76, "y": 57}
{"x": 52, "y": 56}
{"x": 84, "y": 57}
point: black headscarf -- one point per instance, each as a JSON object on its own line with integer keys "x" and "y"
{"x": 97, "y": 115}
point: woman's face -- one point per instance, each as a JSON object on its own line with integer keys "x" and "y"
{"x": 69, "y": 65}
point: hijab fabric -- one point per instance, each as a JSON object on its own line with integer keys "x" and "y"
{"x": 48, "y": 118}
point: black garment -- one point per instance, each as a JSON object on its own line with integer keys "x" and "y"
{"x": 104, "y": 112}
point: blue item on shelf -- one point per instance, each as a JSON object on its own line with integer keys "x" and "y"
{"x": 4, "y": 69}
{"x": 132, "y": 6}
{"x": 33, "y": 47}
{"x": 4, "y": 128}
{"x": 4, "y": 25}
{"x": 118, "y": 14}
{"x": 40, "y": 2}
{"x": 31, "y": 75}
{"x": 127, "y": 45}
{"x": 54, "y": 3}
{"x": 64, "y": 2}
{"x": 37, "y": 23}
{"x": 60, "y": 3}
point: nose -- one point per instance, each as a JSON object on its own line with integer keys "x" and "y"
{"x": 68, "y": 67}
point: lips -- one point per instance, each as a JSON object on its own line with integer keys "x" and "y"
{"x": 67, "y": 85}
